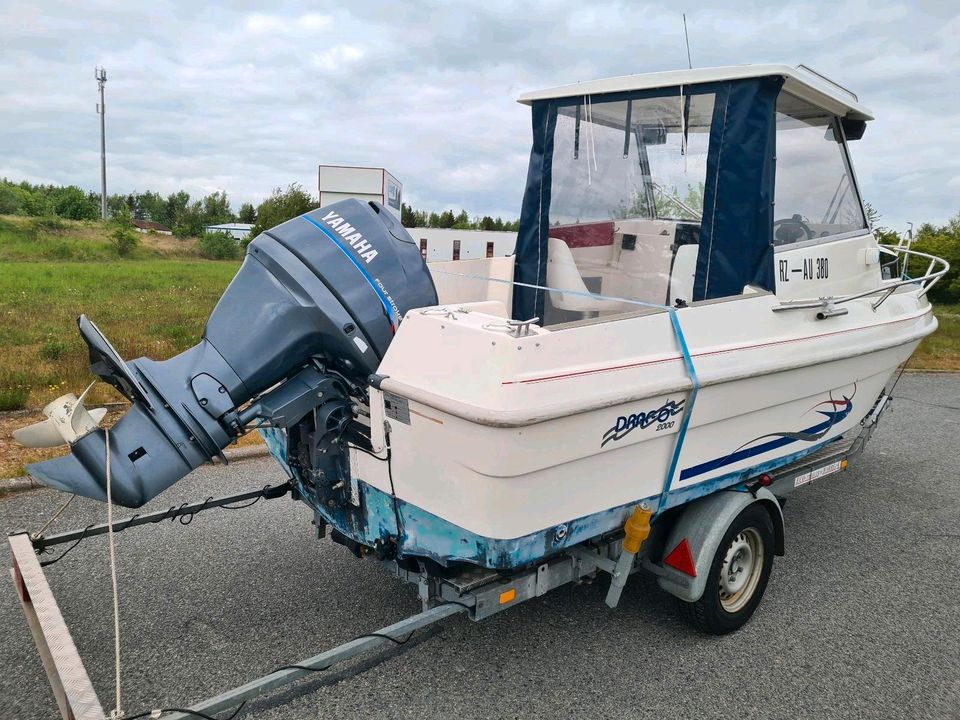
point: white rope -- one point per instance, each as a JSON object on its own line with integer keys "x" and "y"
{"x": 117, "y": 712}
{"x": 586, "y": 116}
{"x": 57, "y": 514}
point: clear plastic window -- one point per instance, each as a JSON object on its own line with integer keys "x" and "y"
{"x": 626, "y": 203}
{"x": 815, "y": 196}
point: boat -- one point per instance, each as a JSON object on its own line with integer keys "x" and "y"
{"x": 696, "y": 300}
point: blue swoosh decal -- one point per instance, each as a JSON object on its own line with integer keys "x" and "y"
{"x": 809, "y": 434}
{"x": 351, "y": 258}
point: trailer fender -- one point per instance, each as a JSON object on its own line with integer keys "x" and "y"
{"x": 703, "y": 524}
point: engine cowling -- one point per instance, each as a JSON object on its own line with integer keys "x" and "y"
{"x": 305, "y": 321}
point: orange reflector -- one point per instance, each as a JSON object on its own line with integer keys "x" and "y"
{"x": 843, "y": 464}
{"x": 680, "y": 558}
{"x": 508, "y": 596}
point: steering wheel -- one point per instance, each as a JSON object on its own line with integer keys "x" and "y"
{"x": 789, "y": 230}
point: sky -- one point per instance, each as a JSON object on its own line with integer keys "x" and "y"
{"x": 243, "y": 98}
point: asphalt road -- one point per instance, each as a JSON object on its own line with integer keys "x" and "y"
{"x": 861, "y": 618}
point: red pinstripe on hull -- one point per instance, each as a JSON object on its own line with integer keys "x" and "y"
{"x": 703, "y": 354}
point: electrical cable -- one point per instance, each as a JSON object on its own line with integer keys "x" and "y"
{"x": 367, "y": 452}
{"x": 48, "y": 563}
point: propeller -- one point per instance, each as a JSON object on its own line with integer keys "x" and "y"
{"x": 67, "y": 421}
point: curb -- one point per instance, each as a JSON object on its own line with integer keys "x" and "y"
{"x": 232, "y": 454}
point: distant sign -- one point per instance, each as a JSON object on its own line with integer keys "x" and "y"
{"x": 394, "y": 193}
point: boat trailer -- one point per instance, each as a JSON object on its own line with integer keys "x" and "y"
{"x": 476, "y": 592}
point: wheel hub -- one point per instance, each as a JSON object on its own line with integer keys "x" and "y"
{"x": 741, "y": 570}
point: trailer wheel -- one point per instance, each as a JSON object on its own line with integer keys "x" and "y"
{"x": 738, "y": 574}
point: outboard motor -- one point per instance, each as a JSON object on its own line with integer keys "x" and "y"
{"x": 290, "y": 344}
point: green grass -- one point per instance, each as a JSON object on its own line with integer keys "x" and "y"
{"x": 941, "y": 351}
{"x": 25, "y": 239}
{"x": 155, "y": 308}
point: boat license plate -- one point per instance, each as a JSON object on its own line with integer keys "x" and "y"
{"x": 817, "y": 473}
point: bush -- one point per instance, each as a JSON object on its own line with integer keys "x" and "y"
{"x": 218, "y": 246}
{"x": 124, "y": 240}
{"x": 123, "y": 236}
{"x": 54, "y": 348}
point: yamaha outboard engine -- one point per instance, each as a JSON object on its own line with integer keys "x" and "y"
{"x": 290, "y": 344}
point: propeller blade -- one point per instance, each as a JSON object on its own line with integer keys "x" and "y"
{"x": 44, "y": 434}
{"x": 67, "y": 421}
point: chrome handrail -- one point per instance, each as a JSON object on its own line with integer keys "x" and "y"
{"x": 925, "y": 282}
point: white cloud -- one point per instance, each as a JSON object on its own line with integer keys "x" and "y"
{"x": 205, "y": 97}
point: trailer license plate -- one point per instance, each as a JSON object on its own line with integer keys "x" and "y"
{"x": 818, "y": 473}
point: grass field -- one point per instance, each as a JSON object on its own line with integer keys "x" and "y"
{"x": 144, "y": 307}
{"x": 941, "y": 351}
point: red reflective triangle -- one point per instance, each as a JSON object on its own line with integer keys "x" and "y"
{"x": 680, "y": 558}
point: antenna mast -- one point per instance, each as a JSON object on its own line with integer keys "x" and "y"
{"x": 101, "y": 75}
{"x": 687, "y": 38}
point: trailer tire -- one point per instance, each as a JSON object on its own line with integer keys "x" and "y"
{"x": 727, "y": 606}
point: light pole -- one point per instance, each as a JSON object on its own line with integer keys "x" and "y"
{"x": 101, "y": 75}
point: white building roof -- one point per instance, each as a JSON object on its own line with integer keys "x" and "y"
{"x": 800, "y": 81}
{"x": 229, "y": 226}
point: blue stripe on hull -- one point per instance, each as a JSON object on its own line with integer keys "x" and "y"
{"x": 424, "y": 534}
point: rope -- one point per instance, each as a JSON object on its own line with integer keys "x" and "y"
{"x": 117, "y": 712}
{"x": 48, "y": 523}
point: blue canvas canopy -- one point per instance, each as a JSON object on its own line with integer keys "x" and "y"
{"x": 736, "y": 227}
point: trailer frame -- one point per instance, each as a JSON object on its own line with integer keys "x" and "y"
{"x": 478, "y": 592}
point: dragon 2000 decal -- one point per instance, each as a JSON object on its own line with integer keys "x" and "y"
{"x": 626, "y": 424}
{"x": 835, "y": 412}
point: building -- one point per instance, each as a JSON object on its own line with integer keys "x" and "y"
{"x": 452, "y": 244}
{"x": 339, "y": 182}
{"x": 147, "y": 226}
{"x": 239, "y": 231}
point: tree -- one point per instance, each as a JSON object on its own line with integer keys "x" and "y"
{"x": 152, "y": 206}
{"x": 943, "y": 242}
{"x": 9, "y": 199}
{"x": 248, "y": 213}
{"x": 177, "y": 204}
{"x": 462, "y": 221}
{"x": 74, "y": 204}
{"x": 883, "y": 234}
{"x": 190, "y": 221}
{"x": 447, "y": 219}
{"x": 216, "y": 209}
{"x": 282, "y": 205}
{"x": 407, "y": 216}
{"x": 487, "y": 223}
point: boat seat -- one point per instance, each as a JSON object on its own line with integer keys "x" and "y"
{"x": 563, "y": 274}
{"x": 682, "y": 273}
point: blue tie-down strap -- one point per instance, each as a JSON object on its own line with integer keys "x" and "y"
{"x": 685, "y": 420}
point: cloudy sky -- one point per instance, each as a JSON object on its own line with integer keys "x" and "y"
{"x": 245, "y": 99}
